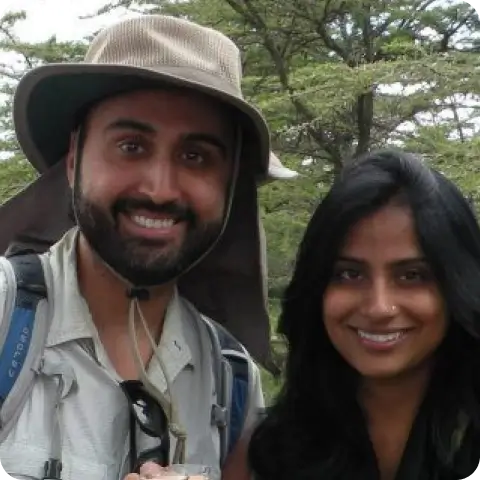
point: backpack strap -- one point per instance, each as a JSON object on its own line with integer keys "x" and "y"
{"x": 22, "y": 336}
{"x": 233, "y": 380}
{"x": 234, "y": 352}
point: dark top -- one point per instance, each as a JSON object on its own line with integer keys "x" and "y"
{"x": 419, "y": 461}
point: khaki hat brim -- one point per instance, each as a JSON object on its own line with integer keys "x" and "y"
{"x": 49, "y": 98}
{"x": 278, "y": 171}
{"x": 281, "y": 173}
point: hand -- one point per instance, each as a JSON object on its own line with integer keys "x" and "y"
{"x": 147, "y": 470}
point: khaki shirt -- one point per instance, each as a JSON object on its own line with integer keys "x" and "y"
{"x": 94, "y": 414}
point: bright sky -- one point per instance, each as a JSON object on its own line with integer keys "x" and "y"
{"x": 57, "y": 17}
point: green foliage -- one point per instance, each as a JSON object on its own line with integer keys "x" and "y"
{"x": 22, "y": 57}
{"x": 457, "y": 159}
{"x": 285, "y": 213}
{"x": 15, "y": 175}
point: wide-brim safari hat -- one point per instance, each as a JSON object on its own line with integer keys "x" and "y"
{"x": 150, "y": 50}
{"x": 229, "y": 284}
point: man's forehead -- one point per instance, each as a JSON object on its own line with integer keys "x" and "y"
{"x": 165, "y": 107}
{"x": 150, "y": 99}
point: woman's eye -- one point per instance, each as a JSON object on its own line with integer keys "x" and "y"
{"x": 347, "y": 274}
{"x": 414, "y": 275}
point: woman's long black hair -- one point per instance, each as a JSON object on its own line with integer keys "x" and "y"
{"x": 315, "y": 429}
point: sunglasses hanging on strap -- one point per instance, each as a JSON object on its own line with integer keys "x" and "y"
{"x": 148, "y": 415}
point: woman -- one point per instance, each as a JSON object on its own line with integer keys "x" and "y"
{"x": 382, "y": 319}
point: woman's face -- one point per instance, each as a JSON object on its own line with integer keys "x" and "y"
{"x": 382, "y": 309}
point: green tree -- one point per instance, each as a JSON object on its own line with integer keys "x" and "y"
{"x": 16, "y": 172}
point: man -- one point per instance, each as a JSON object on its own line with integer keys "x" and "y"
{"x": 163, "y": 157}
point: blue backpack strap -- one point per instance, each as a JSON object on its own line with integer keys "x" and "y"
{"x": 232, "y": 372}
{"x": 234, "y": 352}
{"x": 21, "y": 338}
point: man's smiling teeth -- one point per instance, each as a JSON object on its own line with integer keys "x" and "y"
{"x": 381, "y": 338}
{"x": 146, "y": 222}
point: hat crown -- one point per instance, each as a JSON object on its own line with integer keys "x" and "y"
{"x": 158, "y": 41}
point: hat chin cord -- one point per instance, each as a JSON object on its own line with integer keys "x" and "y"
{"x": 138, "y": 293}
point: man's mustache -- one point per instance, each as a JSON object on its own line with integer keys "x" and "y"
{"x": 177, "y": 211}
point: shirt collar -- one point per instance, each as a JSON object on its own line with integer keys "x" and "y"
{"x": 71, "y": 315}
{"x": 72, "y": 318}
{"x": 173, "y": 348}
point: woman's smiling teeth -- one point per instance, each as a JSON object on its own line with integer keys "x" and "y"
{"x": 157, "y": 223}
{"x": 381, "y": 338}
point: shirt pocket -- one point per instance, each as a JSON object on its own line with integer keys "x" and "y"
{"x": 27, "y": 462}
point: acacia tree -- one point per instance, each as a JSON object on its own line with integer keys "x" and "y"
{"x": 22, "y": 56}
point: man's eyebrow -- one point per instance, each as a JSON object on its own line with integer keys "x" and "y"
{"x": 130, "y": 124}
{"x": 208, "y": 138}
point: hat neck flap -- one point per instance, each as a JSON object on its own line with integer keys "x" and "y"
{"x": 228, "y": 285}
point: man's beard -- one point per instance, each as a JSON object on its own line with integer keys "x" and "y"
{"x": 142, "y": 261}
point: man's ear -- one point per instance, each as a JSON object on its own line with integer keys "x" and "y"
{"x": 71, "y": 158}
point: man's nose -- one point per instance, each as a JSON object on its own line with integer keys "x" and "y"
{"x": 161, "y": 179}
